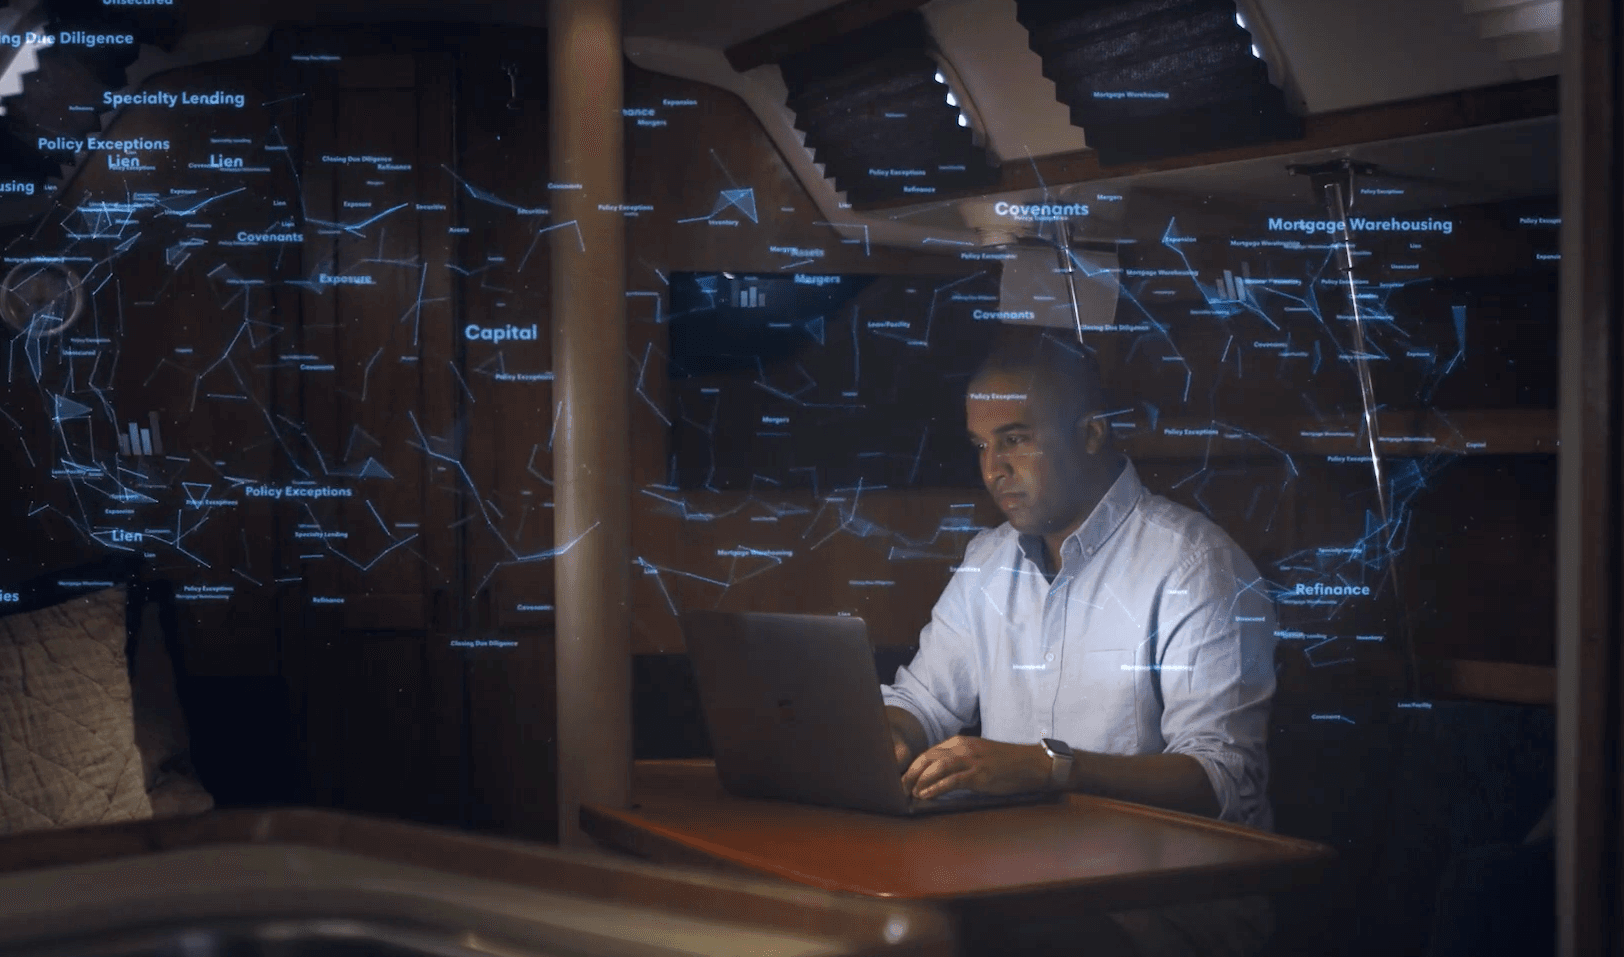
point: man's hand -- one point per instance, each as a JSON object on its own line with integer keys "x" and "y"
{"x": 988, "y": 767}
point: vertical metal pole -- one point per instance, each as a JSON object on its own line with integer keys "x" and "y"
{"x": 591, "y": 454}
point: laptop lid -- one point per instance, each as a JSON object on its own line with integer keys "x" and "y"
{"x": 793, "y": 706}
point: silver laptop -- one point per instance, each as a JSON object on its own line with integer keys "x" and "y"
{"x": 793, "y": 706}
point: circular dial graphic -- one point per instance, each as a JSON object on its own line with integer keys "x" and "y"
{"x": 41, "y": 299}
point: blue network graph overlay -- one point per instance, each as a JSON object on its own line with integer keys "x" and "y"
{"x": 796, "y": 394}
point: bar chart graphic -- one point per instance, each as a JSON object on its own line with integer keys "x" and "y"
{"x": 749, "y": 297}
{"x": 1236, "y": 288}
{"x": 138, "y": 442}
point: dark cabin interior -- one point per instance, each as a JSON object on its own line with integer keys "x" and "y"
{"x": 280, "y": 362}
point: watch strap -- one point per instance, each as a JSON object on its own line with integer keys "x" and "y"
{"x": 1060, "y": 771}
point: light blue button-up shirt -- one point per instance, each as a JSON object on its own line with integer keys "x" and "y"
{"x": 1157, "y": 635}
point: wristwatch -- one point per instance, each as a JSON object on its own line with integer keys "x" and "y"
{"x": 1059, "y": 762}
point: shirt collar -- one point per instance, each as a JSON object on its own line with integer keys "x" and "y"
{"x": 1113, "y": 509}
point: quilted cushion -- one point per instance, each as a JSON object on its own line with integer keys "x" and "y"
{"x": 68, "y": 753}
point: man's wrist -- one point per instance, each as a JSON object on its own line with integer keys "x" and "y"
{"x": 907, "y": 727}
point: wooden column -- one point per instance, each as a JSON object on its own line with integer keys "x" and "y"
{"x": 591, "y": 459}
{"x": 1590, "y": 520}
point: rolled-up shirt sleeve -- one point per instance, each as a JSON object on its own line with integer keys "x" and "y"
{"x": 940, "y": 686}
{"x": 1217, "y": 677}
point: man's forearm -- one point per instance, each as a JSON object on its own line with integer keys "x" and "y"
{"x": 903, "y": 720}
{"x": 1173, "y": 781}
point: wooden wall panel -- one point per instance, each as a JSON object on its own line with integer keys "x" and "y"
{"x": 366, "y": 414}
{"x": 384, "y": 419}
{"x": 317, "y": 660}
{"x": 186, "y": 323}
{"x": 1489, "y": 264}
{"x": 680, "y": 168}
{"x": 1275, "y": 504}
{"x": 443, "y": 711}
{"x": 791, "y": 552}
{"x": 503, "y": 279}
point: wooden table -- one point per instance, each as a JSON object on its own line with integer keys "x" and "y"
{"x": 1081, "y": 854}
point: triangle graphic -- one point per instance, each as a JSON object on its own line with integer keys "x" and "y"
{"x": 743, "y": 199}
{"x": 66, "y": 408}
{"x": 371, "y": 469}
{"x": 196, "y": 492}
{"x": 815, "y": 328}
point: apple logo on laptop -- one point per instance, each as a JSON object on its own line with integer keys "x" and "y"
{"x": 786, "y": 713}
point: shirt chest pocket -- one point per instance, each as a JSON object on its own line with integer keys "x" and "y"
{"x": 1100, "y": 690}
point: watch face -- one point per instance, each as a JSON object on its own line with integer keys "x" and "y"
{"x": 1056, "y": 746}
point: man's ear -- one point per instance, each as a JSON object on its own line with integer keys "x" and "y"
{"x": 1094, "y": 433}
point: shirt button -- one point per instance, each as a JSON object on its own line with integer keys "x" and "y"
{"x": 1049, "y": 656}
{"x": 1089, "y": 552}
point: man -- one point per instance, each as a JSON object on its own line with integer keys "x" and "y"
{"x": 1100, "y": 619}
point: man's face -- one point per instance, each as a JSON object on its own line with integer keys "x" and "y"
{"x": 1032, "y": 460}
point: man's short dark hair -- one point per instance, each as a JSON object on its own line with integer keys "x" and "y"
{"x": 1061, "y": 372}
